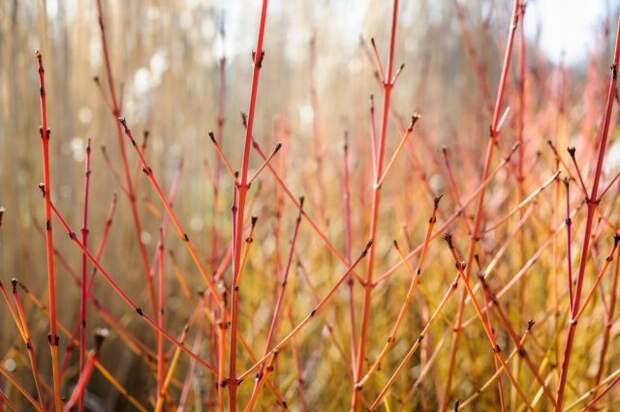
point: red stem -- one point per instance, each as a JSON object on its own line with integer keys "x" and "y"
{"x": 348, "y": 246}
{"x": 242, "y": 189}
{"x": 521, "y": 115}
{"x": 608, "y": 320}
{"x": 374, "y": 214}
{"x": 78, "y": 392}
{"x": 49, "y": 242}
{"x": 569, "y": 248}
{"x": 160, "y": 316}
{"x": 84, "y": 270}
{"x": 592, "y": 205}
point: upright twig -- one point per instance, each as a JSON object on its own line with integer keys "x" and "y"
{"x": 609, "y": 318}
{"x": 84, "y": 283}
{"x": 161, "y": 302}
{"x": 346, "y": 193}
{"x": 388, "y": 85}
{"x": 592, "y": 204}
{"x": 49, "y": 241}
{"x": 569, "y": 245}
{"x": 241, "y": 193}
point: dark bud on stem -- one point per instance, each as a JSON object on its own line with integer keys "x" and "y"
{"x": 278, "y": 147}
{"x": 124, "y": 123}
{"x": 260, "y": 59}
{"x": 212, "y": 136}
{"x": 37, "y": 54}
{"x": 448, "y": 238}
{"x": 571, "y": 151}
{"x": 254, "y": 220}
{"x": 1, "y": 214}
{"x": 436, "y": 200}
{"x": 53, "y": 340}
{"x": 414, "y": 118}
{"x": 100, "y": 335}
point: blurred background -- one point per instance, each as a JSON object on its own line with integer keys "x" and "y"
{"x": 166, "y": 55}
{"x": 167, "y": 59}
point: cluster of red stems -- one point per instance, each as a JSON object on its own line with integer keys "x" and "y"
{"x": 221, "y": 308}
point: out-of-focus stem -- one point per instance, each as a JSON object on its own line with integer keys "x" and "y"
{"x": 116, "y": 113}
